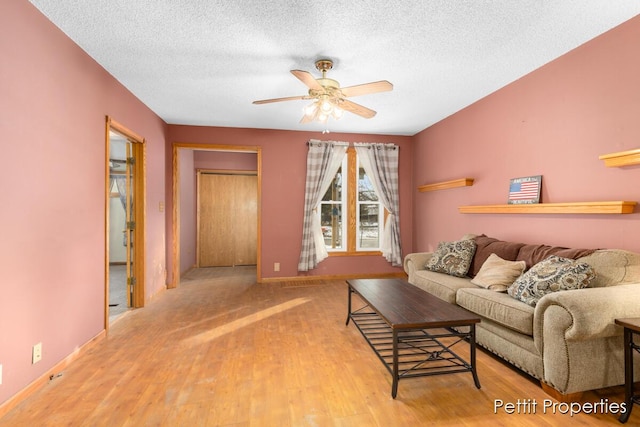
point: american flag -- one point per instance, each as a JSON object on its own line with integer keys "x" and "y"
{"x": 524, "y": 190}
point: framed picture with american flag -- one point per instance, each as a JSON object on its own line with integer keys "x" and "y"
{"x": 525, "y": 190}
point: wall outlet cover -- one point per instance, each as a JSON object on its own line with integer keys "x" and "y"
{"x": 36, "y": 354}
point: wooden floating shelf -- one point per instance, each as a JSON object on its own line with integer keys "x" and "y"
{"x": 462, "y": 182}
{"x": 623, "y": 158}
{"x": 555, "y": 208}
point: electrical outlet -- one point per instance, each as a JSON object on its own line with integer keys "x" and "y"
{"x": 276, "y": 266}
{"x": 36, "y": 354}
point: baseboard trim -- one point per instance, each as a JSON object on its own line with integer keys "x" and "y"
{"x": 38, "y": 383}
{"x": 333, "y": 277}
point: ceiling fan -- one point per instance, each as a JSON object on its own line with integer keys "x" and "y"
{"x": 329, "y": 98}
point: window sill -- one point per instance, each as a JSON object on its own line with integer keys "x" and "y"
{"x": 359, "y": 253}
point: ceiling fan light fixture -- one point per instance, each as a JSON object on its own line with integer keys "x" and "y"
{"x": 310, "y": 110}
{"x": 321, "y": 109}
{"x": 326, "y": 106}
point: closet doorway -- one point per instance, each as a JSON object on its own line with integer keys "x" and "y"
{"x": 188, "y": 159}
{"x": 124, "y": 264}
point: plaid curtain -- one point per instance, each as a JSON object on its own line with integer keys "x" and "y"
{"x": 323, "y": 160}
{"x": 121, "y": 185}
{"x": 380, "y": 162}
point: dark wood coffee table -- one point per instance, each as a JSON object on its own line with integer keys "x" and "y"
{"x": 405, "y": 326}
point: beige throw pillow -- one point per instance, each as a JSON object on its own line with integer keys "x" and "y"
{"x": 498, "y": 274}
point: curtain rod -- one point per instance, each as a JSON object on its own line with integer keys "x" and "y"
{"x": 378, "y": 145}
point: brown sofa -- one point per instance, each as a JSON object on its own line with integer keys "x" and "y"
{"x": 568, "y": 340}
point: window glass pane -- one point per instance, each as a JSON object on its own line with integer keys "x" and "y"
{"x": 369, "y": 225}
{"x": 331, "y": 222}
{"x": 334, "y": 192}
{"x": 365, "y": 188}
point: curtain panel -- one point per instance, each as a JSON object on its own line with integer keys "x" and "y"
{"x": 323, "y": 161}
{"x": 121, "y": 185}
{"x": 380, "y": 162}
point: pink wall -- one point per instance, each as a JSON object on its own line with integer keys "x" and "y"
{"x": 553, "y": 122}
{"x": 187, "y": 211}
{"x": 283, "y": 179}
{"x": 53, "y": 103}
{"x": 225, "y": 160}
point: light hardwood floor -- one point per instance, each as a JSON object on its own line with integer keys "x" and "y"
{"x": 221, "y": 350}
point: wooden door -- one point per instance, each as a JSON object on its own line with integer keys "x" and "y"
{"x": 227, "y": 220}
{"x": 245, "y": 219}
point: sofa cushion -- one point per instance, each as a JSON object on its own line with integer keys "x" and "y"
{"x": 511, "y": 251}
{"x": 485, "y": 246}
{"x": 498, "y": 307}
{"x": 498, "y": 274}
{"x": 550, "y": 275}
{"x": 440, "y": 285}
{"x": 614, "y": 267}
{"x": 534, "y": 254}
{"x": 452, "y": 258}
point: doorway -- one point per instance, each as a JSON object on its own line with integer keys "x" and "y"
{"x": 184, "y": 179}
{"x": 124, "y": 265}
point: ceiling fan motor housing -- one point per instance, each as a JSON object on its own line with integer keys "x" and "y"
{"x": 324, "y": 65}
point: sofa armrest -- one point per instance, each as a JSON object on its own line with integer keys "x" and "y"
{"x": 591, "y": 311}
{"x": 416, "y": 261}
{"x": 575, "y": 333}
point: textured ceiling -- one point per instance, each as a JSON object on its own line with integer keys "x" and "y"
{"x": 203, "y": 62}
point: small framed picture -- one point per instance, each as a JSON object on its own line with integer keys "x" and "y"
{"x": 525, "y": 190}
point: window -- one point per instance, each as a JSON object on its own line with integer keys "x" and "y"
{"x": 351, "y": 214}
{"x": 332, "y": 206}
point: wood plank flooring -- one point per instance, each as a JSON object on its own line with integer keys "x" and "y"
{"x": 221, "y": 350}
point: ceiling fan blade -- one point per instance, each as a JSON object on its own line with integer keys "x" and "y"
{"x": 358, "y": 109}
{"x": 364, "y": 89}
{"x": 288, "y": 98}
{"x": 306, "y": 78}
{"x": 306, "y": 119}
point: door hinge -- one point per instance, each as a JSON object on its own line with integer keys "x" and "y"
{"x": 131, "y": 225}
{"x": 131, "y": 281}
{"x": 131, "y": 160}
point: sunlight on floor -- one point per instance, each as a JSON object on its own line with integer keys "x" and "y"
{"x": 247, "y": 320}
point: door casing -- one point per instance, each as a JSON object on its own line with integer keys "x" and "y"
{"x": 139, "y": 209}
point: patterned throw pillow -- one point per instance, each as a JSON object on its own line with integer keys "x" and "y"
{"x": 551, "y": 275}
{"x": 452, "y": 258}
{"x": 498, "y": 274}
